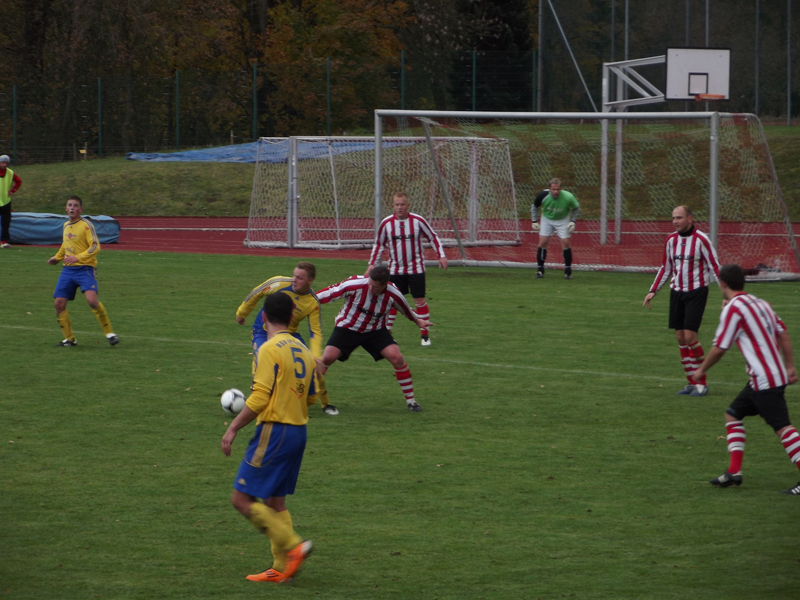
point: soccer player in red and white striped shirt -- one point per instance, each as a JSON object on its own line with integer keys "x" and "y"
{"x": 403, "y": 233}
{"x": 362, "y": 322}
{"x": 691, "y": 260}
{"x": 767, "y": 349}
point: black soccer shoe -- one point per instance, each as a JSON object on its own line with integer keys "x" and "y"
{"x": 112, "y": 339}
{"x": 539, "y": 274}
{"x": 414, "y": 407}
{"x": 726, "y": 480}
{"x": 66, "y": 343}
{"x": 795, "y": 491}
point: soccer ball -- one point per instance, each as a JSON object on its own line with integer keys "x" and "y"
{"x": 232, "y": 401}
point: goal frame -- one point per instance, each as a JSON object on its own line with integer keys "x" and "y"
{"x": 713, "y": 117}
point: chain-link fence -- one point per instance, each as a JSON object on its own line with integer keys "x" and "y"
{"x": 111, "y": 115}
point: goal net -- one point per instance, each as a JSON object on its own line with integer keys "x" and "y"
{"x": 319, "y": 192}
{"x": 628, "y": 171}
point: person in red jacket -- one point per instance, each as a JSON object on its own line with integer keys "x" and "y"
{"x": 9, "y": 184}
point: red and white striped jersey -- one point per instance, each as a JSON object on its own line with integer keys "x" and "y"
{"x": 404, "y": 238}
{"x": 363, "y": 311}
{"x": 754, "y": 326}
{"x": 690, "y": 259}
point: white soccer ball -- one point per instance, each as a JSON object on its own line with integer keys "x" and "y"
{"x": 232, "y": 401}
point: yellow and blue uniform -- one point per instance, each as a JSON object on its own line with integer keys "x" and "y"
{"x": 305, "y": 306}
{"x": 79, "y": 240}
{"x": 283, "y": 389}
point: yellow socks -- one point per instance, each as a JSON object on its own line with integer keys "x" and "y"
{"x": 66, "y": 326}
{"x": 322, "y": 391}
{"x": 279, "y": 529}
{"x": 278, "y": 555}
{"x": 102, "y": 318}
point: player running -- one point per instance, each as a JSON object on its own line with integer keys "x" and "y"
{"x": 79, "y": 252}
{"x": 298, "y": 288}
{"x": 691, "y": 260}
{"x": 762, "y": 337}
{"x": 362, "y": 322}
{"x": 403, "y": 233}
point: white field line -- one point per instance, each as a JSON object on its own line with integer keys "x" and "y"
{"x": 484, "y": 365}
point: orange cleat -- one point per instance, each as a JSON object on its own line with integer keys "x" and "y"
{"x": 269, "y": 575}
{"x": 296, "y": 556}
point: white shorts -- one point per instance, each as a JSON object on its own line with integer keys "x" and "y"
{"x": 548, "y": 227}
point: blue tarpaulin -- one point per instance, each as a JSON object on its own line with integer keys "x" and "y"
{"x": 47, "y": 228}
{"x": 271, "y": 152}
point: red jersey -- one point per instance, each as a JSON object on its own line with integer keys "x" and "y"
{"x": 404, "y": 238}
{"x": 691, "y": 261}
{"x": 363, "y": 311}
{"x": 754, "y": 326}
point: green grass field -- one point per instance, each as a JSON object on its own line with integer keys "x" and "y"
{"x": 553, "y": 458}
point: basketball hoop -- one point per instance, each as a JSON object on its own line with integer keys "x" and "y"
{"x": 707, "y": 97}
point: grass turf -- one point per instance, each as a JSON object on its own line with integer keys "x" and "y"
{"x": 553, "y": 458}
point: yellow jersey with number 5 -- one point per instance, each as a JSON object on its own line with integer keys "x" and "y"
{"x": 284, "y": 385}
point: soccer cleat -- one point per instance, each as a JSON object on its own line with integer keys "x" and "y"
{"x": 539, "y": 274}
{"x": 686, "y": 390}
{"x": 330, "y": 409}
{"x": 112, "y": 339}
{"x": 295, "y": 558}
{"x": 795, "y": 491}
{"x": 269, "y": 575}
{"x": 66, "y": 343}
{"x": 414, "y": 407}
{"x": 727, "y": 480}
{"x": 567, "y": 275}
{"x": 425, "y": 341}
{"x": 5, "y": 245}
{"x": 699, "y": 390}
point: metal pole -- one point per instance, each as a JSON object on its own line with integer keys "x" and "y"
{"x": 328, "y": 94}
{"x": 533, "y": 81}
{"x": 99, "y": 117}
{"x": 378, "y": 170}
{"x": 613, "y": 29}
{"x": 14, "y": 126}
{"x": 618, "y": 185}
{"x": 177, "y": 110}
{"x": 403, "y": 79}
{"x": 604, "y": 157}
{"x": 474, "y": 78}
{"x": 686, "y": 43}
{"x": 713, "y": 183}
{"x": 788, "y": 62}
{"x": 292, "y": 224}
{"x": 758, "y": 11}
{"x": 574, "y": 62}
{"x": 255, "y": 101}
{"x": 539, "y": 59}
{"x": 627, "y": 41}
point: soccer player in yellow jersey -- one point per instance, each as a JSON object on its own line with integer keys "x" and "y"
{"x": 79, "y": 252}
{"x": 283, "y": 389}
{"x": 298, "y": 288}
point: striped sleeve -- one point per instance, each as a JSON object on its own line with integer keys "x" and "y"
{"x": 91, "y": 240}
{"x": 429, "y": 233}
{"x": 729, "y": 326}
{"x": 265, "y": 289}
{"x": 380, "y": 242}
{"x": 665, "y": 270}
{"x": 401, "y": 302}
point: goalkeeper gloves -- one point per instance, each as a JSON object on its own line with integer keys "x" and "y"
{"x": 535, "y": 226}
{"x": 571, "y": 227}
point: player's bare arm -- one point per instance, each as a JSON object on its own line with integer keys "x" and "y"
{"x": 712, "y": 358}
{"x": 242, "y": 419}
{"x": 240, "y": 320}
{"x": 785, "y": 343}
{"x": 53, "y": 260}
{"x": 443, "y": 263}
{"x": 647, "y": 299}
{"x": 70, "y": 260}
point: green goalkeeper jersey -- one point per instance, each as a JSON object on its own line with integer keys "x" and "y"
{"x": 556, "y": 209}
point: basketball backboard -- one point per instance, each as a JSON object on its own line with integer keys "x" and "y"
{"x": 695, "y": 71}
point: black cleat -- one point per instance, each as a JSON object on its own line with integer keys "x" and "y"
{"x": 539, "y": 274}
{"x": 795, "y": 491}
{"x": 727, "y": 480}
{"x": 66, "y": 343}
{"x": 112, "y": 339}
{"x": 567, "y": 275}
{"x": 330, "y": 409}
{"x": 414, "y": 407}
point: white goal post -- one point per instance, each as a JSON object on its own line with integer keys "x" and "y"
{"x": 317, "y": 192}
{"x": 628, "y": 170}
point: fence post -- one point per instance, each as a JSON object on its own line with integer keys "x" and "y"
{"x": 474, "y": 76}
{"x": 788, "y": 62}
{"x": 99, "y": 117}
{"x": 255, "y": 101}
{"x": 328, "y": 94}
{"x": 402, "y": 79}
{"x": 758, "y": 18}
{"x": 177, "y": 109}
{"x": 14, "y": 126}
{"x": 533, "y": 79}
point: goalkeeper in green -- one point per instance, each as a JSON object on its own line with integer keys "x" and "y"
{"x": 560, "y": 209}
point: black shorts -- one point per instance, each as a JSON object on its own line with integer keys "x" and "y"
{"x": 347, "y": 340}
{"x": 686, "y": 309}
{"x": 770, "y": 404}
{"x": 414, "y": 283}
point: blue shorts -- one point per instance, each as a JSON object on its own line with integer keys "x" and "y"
{"x": 72, "y": 278}
{"x": 272, "y": 460}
